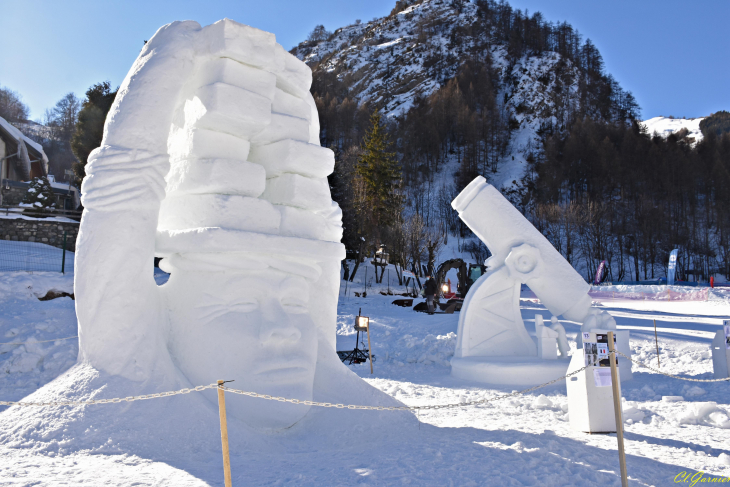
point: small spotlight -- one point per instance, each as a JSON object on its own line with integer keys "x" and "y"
{"x": 445, "y": 288}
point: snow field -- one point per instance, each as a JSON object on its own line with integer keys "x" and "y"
{"x": 671, "y": 426}
{"x": 680, "y": 424}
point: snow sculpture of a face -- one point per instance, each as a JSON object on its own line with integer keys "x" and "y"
{"x": 211, "y": 159}
{"x": 255, "y": 326}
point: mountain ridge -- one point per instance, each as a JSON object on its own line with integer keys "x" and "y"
{"x": 393, "y": 61}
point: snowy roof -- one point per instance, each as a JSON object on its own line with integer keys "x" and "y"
{"x": 18, "y": 136}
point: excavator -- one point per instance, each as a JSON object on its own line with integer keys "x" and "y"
{"x": 449, "y": 299}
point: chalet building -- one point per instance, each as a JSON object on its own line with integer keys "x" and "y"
{"x": 21, "y": 160}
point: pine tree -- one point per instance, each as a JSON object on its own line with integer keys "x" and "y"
{"x": 39, "y": 195}
{"x": 90, "y": 125}
{"x": 381, "y": 174}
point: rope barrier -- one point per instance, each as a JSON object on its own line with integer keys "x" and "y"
{"x": 40, "y": 341}
{"x": 640, "y": 364}
{"x": 284, "y": 399}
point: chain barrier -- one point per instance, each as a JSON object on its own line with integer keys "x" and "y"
{"x": 39, "y": 341}
{"x": 640, "y": 364}
{"x": 110, "y": 401}
{"x": 400, "y": 408}
{"x": 333, "y": 405}
{"x": 284, "y": 399}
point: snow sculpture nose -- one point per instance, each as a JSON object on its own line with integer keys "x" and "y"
{"x": 276, "y": 326}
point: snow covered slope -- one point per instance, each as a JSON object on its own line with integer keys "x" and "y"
{"x": 665, "y": 126}
{"x": 390, "y": 61}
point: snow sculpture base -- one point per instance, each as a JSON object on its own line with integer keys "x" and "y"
{"x": 590, "y": 408}
{"x": 518, "y": 371}
{"x": 720, "y": 356}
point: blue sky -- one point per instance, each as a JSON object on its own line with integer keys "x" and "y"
{"x": 673, "y": 55}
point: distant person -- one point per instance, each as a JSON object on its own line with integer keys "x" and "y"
{"x": 429, "y": 290}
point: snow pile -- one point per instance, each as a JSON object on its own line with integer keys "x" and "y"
{"x": 631, "y": 412}
{"x": 706, "y": 413}
{"x": 29, "y": 354}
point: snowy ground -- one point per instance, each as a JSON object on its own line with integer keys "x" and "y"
{"x": 521, "y": 441}
{"x": 33, "y": 257}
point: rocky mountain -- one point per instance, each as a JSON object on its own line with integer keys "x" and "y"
{"x": 544, "y": 74}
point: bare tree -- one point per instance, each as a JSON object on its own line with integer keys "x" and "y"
{"x": 12, "y": 107}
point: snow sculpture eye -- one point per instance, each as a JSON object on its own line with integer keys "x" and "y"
{"x": 245, "y": 306}
{"x": 294, "y": 306}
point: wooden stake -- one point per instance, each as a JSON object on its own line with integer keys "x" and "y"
{"x": 615, "y": 385}
{"x": 656, "y": 340}
{"x": 224, "y": 435}
{"x": 370, "y": 353}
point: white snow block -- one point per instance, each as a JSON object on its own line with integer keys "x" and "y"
{"x": 207, "y": 144}
{"x": 291, "y": 105}
{"x": 295, "y": 77}
{"x": 296, "y": 222}
{"x": 282, "y": 127}
{"x": 547, "y": 340}
{"x": 232, "y": 110}
{"x": 314, "y": 120}
{"x": 184, "y": 212}
{"x": 294, "y": 156}
{"x": 216, "y": 176}
{"x": 720, "y": 356}
{"x": 244, "y": 44}
{"x": 298, "y": 191}
{"x": 590, "y": 407}
{"x": 228, "y": 71}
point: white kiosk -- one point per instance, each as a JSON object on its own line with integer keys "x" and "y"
{"x": 590, "y": 396}
{"x": 721, "y": 351}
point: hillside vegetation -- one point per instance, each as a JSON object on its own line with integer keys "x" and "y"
{"x": 482, "y": 88}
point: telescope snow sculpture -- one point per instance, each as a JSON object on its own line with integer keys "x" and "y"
{"x": 493, "y": 345}
{"x": 211, "y": 159}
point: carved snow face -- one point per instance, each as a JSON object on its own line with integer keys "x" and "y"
{"x": 253, "y": 327}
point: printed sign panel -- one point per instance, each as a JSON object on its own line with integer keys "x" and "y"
{"x": 590, "y": 349}
{"x": 602, "y": 377}
{"x": 595, "y": 349}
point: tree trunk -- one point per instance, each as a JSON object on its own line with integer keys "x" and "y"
{"x": 359, "y": 259}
